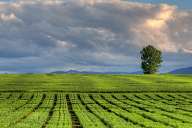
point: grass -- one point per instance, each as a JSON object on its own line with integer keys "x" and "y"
{"x": 94, "y": 110}
{"x": 95, "y": 101}
{"x": 96, "y": 83}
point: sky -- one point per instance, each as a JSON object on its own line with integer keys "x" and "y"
{"x": 40, "y": 36}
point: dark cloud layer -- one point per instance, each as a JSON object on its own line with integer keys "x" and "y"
{"x": 51, "y": 34}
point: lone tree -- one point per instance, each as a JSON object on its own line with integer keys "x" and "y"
{"x": 151, "y": 59}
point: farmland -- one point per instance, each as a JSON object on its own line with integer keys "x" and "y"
{"x": 95, "y": 83}
{"x": 95, "y": 101}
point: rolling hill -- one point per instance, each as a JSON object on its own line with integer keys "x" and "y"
{"x": 187, "y": 70}
{"x": 86, "y": 72}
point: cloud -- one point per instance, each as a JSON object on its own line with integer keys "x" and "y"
{"x": 187, "y": 50}
{"x": 90, "y": 32}
{"x": 9, "y": 17}
{"x": 160, "y": 19}
{"x": 64, "y": 44}
{"x": 94, "y": 2}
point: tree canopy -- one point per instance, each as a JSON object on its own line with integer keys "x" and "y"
{"x": 151, "y": 59}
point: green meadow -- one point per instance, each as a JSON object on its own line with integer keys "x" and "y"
{"x": 95, "y": 101}
{"x": 95, "y": 83}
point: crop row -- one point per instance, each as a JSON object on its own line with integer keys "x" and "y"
{"x": 61, "y": 110}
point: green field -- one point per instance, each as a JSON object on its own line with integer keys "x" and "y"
{"x": 95, "y": 101}
{"x": 96, "y": 83}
